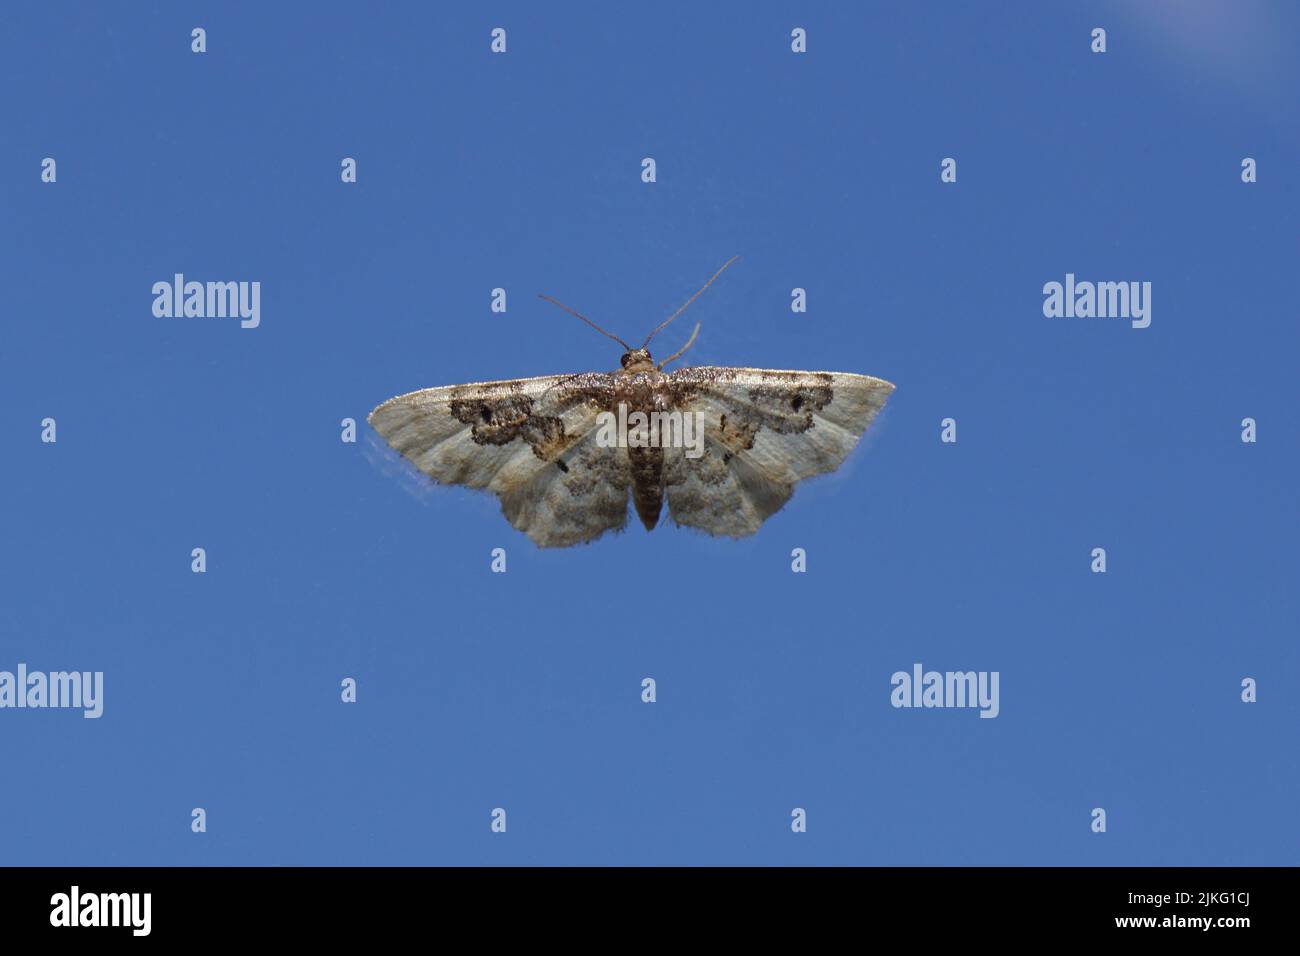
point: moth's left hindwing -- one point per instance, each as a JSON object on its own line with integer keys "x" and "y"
{"x": 529, "y": 441}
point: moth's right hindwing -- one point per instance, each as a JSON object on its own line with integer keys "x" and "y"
{"x": 579, "y": 497}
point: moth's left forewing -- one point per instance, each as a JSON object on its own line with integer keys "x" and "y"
{"x": 856, "y": 401}
{"x": 787, "y": 424}
{"x": 764, "y": 430}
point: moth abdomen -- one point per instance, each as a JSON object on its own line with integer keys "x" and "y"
{"x": 647, "y": 483}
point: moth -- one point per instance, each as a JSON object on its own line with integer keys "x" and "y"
{"x": 543, "y": 445}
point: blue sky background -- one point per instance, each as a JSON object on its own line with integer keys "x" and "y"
{"x": 522, "y": 690}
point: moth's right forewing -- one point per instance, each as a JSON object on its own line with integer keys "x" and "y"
{"x": 529, "y": 441}
{"x": 490, "y": 434}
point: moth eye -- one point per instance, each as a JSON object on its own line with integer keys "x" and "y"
{"x": 563, "y": 467}
{"x": 797, "y": 402}
{"x": 487, "y": 414}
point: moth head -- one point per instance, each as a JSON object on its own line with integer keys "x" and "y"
{"x": 637, "y": 360}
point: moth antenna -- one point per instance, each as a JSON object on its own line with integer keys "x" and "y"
{"x": 585, "y": 319}
{"x": 664, "y": 324}
{"x": 681, "y": 351}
